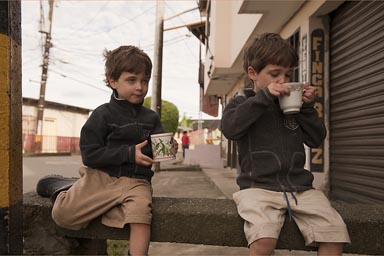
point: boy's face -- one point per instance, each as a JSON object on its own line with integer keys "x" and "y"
{"x": 131, "y": 87}
{"x": 269, "y": 74}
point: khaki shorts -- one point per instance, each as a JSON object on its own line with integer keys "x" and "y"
{"x": 118, "y": 200}
{"x": 264, "y": 212}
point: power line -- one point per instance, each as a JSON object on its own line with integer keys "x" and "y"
{"x": 109, "y": 30}
{"x": 184, "y": 23}
{"x": 94, "y": 17}
{"x": 180, "y": 13}
{"x": 76, "y": 70}
{"x": 79, "y": 81}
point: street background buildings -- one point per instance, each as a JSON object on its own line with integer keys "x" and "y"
{"x": 341, "y": 53}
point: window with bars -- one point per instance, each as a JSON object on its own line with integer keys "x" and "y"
{"x": 294, "y": 40}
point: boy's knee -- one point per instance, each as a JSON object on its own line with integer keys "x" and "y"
{"x": 263, "y": 246}
{"x": 65, "y": 216}
{"x": 61, "y": 216}
{"x": 143, "y": 208}
{"x": 330, "y": 248}
{"x": 63, "y": 219}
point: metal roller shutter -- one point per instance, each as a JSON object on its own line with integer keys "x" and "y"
{"x": 357, "y": 102}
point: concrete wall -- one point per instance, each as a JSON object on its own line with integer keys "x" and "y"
{"x": 206, "y": 156}
{"x": 194, "y": 221}
{"x": 230, "y": 30}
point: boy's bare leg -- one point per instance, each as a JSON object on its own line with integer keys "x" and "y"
{"x": 263, "y": 246}
{"x": 330, "y": 249}
{"x": 139, "y": 239}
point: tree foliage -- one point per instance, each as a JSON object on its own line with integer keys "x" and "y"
{"x": 186, "y": 121}
{"x": 169, "y": 114}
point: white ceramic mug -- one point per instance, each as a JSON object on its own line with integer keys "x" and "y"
{"x": 162, "y": 147}
{"x": 291, "y": 104}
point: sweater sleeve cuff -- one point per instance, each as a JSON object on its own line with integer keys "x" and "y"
{"x": 268, "y": 94}
{"x": 131, "y": 154}
{"x": 308, "y": 105}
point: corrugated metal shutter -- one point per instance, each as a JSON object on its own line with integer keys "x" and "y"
{"x": 357, "y": 102}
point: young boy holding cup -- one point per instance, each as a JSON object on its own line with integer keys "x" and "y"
{"x": 116, "y": 182}
{"x": 273, "y": 180}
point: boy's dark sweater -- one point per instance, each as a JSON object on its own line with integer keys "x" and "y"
{"x": 270, "y": 144}
{"x": 109, "y": 137}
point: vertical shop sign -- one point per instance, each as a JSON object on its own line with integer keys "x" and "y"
{"x": 304, "y": 55}
{"x": 317, "y": 80}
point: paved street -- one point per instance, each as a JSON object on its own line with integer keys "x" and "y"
{"x": 36, "y": 167}
{"x": 172, "y": 183}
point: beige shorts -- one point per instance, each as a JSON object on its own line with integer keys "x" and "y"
{"x": 118, "y": 200}
{"x": 264, "y": 212}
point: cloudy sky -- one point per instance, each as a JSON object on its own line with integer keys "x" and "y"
{"x": 81, "y": 30}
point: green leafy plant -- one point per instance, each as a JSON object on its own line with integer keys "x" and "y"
{"x": 169, "y": 114}
{"x": 186, "y": 121}
{"x": 117, "y": 247}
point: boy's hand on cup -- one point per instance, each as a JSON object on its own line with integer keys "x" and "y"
{"x": 175, "y": 145}
{"x": 140, "y": 158}
{"x": 309, "y": 93}
{"x": 279, "y": 89}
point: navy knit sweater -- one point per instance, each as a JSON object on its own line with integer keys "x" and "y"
{"x": 271, "y": 144}
{"x": 109, "y": 136}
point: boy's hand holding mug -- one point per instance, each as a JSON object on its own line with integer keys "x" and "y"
{"x": 309, "y": 93}
{"x": 292, "y": 95}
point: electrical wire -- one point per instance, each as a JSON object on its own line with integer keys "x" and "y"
{"x": 94, "y": 17}
{"x": 79, "y": 81}
{"x": 184, "y": 23}
{"x": 107, "y": 31}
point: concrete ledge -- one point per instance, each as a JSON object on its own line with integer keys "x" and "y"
{"x": 47, "y": 154}
{"x": 209, "y": 222}
{"x": 179, "y": 167}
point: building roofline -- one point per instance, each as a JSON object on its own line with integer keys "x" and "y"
{"x": 56, "y": 105}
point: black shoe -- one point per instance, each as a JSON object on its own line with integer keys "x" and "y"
{"x": 52, "y": 185}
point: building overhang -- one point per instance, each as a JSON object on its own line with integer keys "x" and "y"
{"x": 274, "y": 15}
{"x": 222, "y": 80}
{"x": 198, "y": 30}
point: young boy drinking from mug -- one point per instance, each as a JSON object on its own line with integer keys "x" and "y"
{"x": 273, "y": 180}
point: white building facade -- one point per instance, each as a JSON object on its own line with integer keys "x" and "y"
{"x": 341, "y": 49}
{"x": 60, "y": 131}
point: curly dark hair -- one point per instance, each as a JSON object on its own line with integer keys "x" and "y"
{"x": 126, "y": 58}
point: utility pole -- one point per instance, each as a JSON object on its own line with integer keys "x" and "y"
{"x": 158, "y": 58}
{"x": 44, "y": 75}
{"x": 158, "y": 63}
{"x": 201, "y": 82}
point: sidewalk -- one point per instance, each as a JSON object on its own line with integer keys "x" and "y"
{"x": 222, "y": 179}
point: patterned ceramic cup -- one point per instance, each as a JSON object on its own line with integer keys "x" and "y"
{"x": 291, "y": 104}
{"x": 162, "y": 147}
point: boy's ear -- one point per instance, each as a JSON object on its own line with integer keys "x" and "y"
{"x": 252, "y": 73}
{"x": 111, "y": 82}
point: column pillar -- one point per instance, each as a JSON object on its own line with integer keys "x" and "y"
{"x": 11, "y": 185}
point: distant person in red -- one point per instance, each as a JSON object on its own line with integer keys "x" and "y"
{"x": 184, "y": 142}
